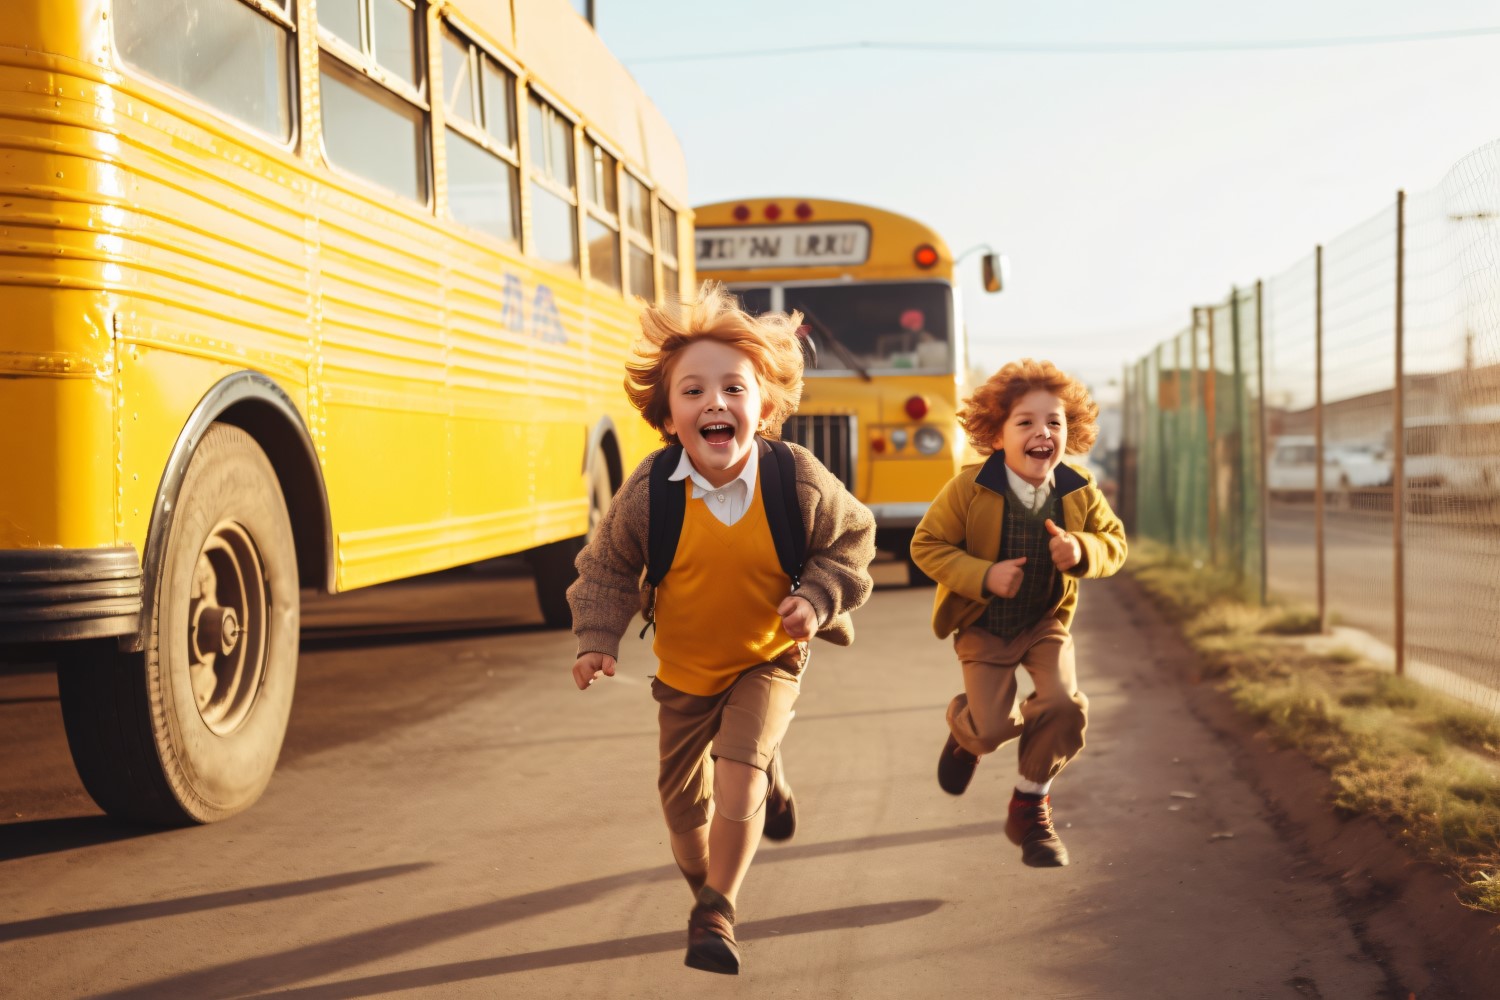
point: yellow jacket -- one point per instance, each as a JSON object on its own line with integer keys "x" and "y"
{"x": 959, "y": 539}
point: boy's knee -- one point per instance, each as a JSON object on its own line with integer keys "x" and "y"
{"x": 739, "y": 789}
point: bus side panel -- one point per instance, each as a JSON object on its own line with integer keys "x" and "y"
{"x": 57, "y": 474}
{"x": 382, "y": 388}
{"x": 209, "y": 248}
{"x": 489, "y": 361}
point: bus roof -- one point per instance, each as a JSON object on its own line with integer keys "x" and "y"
{"x": 893, "y": 239}
{"x": 568, "y": 60}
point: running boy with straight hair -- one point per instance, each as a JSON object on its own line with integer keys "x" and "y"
{"x": 731, "y": 626}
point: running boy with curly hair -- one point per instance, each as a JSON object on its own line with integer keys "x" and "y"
{"x": 1007, "y": 541}
{"x": 731, "y": 630}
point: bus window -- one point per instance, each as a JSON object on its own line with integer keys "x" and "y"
{"x": 395, "y": 26}
{"x": 602, "y": 225}
{"x": 554, "y": 205}
{"x": 341, "y": 18}
{"x": 374, "y": 117}
{"x": 232, "y": 56}
{"x": 638, "y": 226}
{"x": 666, "y": 233}
{"x": 481, "y": 147}
{"x": 879, "y": 326}
{"x": 754, "y": 300}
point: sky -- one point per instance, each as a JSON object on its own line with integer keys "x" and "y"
{"x": 1123, "y": 186}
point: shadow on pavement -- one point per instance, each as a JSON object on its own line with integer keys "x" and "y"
{"x": 278, "y": 971}
{"x": 866, "y": 915}
{"x": 87, "y": 919}
{"x": 48, "y": 836}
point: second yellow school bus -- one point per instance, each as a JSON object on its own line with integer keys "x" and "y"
{"x": 877, "y": 294}
{"x": 299, "y": 295}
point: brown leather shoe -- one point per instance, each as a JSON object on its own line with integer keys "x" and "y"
{"x": 1029, "y": 824}
{"x": 781, "y": 807}
{"x": 955, "y": 767}
{"x": 711, "y": 945}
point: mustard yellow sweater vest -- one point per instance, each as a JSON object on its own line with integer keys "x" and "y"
{"x": 716, "y": 609}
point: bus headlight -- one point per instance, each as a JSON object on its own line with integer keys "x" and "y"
{"x": 929, "y": 440}
{"x": 898, "y": 438}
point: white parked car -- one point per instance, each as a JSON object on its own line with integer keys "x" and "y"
{"x": 1292, "y": 469}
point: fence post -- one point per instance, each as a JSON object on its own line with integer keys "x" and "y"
{"x": 1211, "y": 430}
{"x": 1318, "y": 442}
{"x": 1260, "y": 441}
{"x": 1239, "y": 494}
{"x": 1398, "y": 455}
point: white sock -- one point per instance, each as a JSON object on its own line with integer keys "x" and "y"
{"x": 1033, "y": 787}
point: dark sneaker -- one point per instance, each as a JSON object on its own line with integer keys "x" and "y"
{"x": 781, "y": 807}
{"x": 955, "y": 767}
{"x": 711, "y": 945}
{"x": 1029, "y": 824}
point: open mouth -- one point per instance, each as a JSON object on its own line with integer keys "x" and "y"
{"x": 717, "y": 434}
{"x": 1041, "y": 452}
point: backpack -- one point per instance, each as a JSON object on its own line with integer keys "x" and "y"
{"x": 668, "y": 504}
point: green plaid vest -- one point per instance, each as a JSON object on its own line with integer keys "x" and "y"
{"x": 1025, "y": 534}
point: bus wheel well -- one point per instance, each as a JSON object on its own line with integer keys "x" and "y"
{"x": 301, "y": 486}
{"x": 611, "y": 448}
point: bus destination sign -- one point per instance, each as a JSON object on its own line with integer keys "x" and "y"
{"x": 831, "y": 244}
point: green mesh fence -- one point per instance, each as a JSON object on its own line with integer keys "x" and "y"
{"x": 1331, "y": 435}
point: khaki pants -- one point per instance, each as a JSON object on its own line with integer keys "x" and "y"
{"x": 744, "y": 723}
{"x": 1049, "y": 722}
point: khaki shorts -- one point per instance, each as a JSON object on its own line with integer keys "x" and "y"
{"x": 743, "y": 723}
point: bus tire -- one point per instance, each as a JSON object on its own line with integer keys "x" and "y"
{"x": 552, "y": 566}
{"x": 189, "y": 729}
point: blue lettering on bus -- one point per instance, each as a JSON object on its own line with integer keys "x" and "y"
{"x": 512, "y": 304}
{"x": 546, "y": 322}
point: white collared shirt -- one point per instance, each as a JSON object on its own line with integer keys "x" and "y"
{"x": 728, "y": 502}
{"x": 1032, "y": 496}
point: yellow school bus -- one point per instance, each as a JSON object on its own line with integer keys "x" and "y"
{"x": 877, "y": 294}
{"x": 299, "y": 295}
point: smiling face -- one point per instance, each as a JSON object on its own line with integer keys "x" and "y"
{"x": 716, "y": 408}
{"x": 1035, "y": 436}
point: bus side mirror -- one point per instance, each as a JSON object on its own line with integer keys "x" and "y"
{"x": 994, "y": 272}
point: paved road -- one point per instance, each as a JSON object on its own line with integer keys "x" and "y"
{"x": 1452, "y": 581}
{"x": 452, "y": 819}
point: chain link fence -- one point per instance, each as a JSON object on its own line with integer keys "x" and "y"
{"x": 1331, "y": 434}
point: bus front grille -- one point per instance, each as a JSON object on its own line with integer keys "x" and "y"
{"x": 828, "y": 436}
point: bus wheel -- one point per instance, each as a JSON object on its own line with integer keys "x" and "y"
{"x": 188, "y": 731}
{"x": 552, "y": 566}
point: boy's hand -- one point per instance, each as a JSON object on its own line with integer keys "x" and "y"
{"x": 1066, "y": 552}
{"x": 1004, "y": 578}
{"x": 797, "y": 617}
{"x": 591, "y": 665}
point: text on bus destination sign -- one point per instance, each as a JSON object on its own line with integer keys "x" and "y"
{"x": 783, "y": 246}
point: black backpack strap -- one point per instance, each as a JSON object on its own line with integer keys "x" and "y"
{"x": 778, "y": 493}
{"x": 668, "y": 504}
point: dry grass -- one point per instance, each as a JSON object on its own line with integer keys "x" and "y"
{"x": 1425, "y": 763}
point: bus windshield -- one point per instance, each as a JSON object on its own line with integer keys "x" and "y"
{"x": 878, "y": 327}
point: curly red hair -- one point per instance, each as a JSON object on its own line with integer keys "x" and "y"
{"x": 983, "y": 414}
{"x": 768, "y": 340}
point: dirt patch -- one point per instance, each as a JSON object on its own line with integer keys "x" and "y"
{"x": 1403, "y": 911}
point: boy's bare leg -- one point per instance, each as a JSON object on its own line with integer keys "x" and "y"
{"x": 734, "y": 832}
{"x": 691, "y": 853}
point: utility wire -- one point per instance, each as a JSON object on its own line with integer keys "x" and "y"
{"x": 1072, "y": 48}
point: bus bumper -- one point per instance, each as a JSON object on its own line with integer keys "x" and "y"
{"x": 898, "y": 515}
{"x": 55, "y": 594}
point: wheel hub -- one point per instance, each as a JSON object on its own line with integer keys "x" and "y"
{"x": 228, "y": 615}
